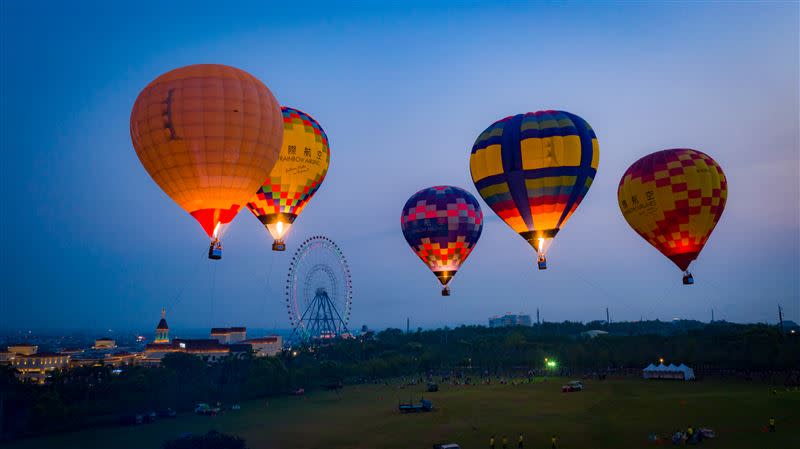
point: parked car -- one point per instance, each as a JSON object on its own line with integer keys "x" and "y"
{"x": 575, "y": 385}
{"x": 446, "y": 446}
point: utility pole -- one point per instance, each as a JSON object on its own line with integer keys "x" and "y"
{"x": 608, "y": 318}
{"x": 537, "y": 317}
{"x": 408, "y": 325}
{"x": 780, "y": 317}
{"x": 712, "y": 314}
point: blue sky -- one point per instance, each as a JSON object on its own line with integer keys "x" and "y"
{"x": 402, "y": 92}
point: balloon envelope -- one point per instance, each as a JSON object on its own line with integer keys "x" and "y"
{"x": 534, "y": 169}
{"x": 298, "y": 174}
{"x": 674, "y": 199}
{"x": 208, "y": 135}
{"x": 442, "y": 224}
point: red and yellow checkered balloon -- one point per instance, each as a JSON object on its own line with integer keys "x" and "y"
{"x": 673, "y": 199}
{"x": 298, "y": 174}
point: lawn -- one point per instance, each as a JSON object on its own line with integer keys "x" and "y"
{"x": 608, "y": 414}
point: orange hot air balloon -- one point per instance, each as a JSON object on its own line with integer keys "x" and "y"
{"x": 208, "y": 135}
{"x": 674, "y": 199}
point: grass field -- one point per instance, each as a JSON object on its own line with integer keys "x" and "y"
{"x": 608, "y": 414}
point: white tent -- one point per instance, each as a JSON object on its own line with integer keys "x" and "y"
{"x": 688, "y": 373}
{"x": 681, "y": 372}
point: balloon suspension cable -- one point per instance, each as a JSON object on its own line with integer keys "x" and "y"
{"x": 213, "y": 287}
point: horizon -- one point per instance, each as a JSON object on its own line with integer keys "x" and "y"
{"x": 194, "y": 330}
{"x": 402, "y": 93}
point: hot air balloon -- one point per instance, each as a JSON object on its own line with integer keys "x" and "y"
{"x": 533, "y": 170}
{"x": 297, "y": 175}
{"x": 208, "y": 135}
{"x": 442, "y": 224}
{"x": 673, "y": 199}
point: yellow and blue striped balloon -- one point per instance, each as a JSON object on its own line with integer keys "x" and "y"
{"x": 534, "y": 169}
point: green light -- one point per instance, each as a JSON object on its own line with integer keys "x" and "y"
{"x": 551, "y": 363}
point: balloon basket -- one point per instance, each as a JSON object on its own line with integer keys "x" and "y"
{"x": 446, "y": 291}
{"x": 215, "y": 250}
{"x": 688, "y": 279}
{"x": 542, "y": 263}
{"x": 278, "y": 245}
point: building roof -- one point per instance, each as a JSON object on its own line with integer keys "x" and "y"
{"x": 189, "y": 345}
{"x": 71, "y": 350}
{"x": 104, "y": 339}
{"x": 272, "y": 339}
{"x": 226, "y": 330}
{"x": 44, "y": 355}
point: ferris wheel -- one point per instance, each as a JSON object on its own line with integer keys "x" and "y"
{"x": 319, "y": 291}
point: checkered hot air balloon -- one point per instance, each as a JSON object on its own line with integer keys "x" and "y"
{"x": 208, "y": 135}
{"x": 442, "y": 224}
{"x": 674, "y": 199}
{"x": 301, "y": 168}
{"x": 533, "y": 170}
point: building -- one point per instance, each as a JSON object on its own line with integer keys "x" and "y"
{"x": 162, "y": 330}
{"x": 120, "y": 358}
{"x": 71, "y": 351}
{"x": 23, "y": 348}
{"x": 266, "y": 346}
{"x": 209, "y": 350}
{"x": 103, "y": 356}
{"x": 37, "y": 367}
{"x": 228, "y": 335}
{"x": 104, "y": 343}
{"x": 510, "y": 320}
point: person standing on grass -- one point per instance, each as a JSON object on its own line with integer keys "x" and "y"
{"x": 491, "y": 442}
{"x": 771, "y": 424}
{"x": 553, "y": 442}
{"x": 505, "y": 442}
{"x": 519, "y": 442}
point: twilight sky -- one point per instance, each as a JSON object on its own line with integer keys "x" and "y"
{"x": 402, "y": 93}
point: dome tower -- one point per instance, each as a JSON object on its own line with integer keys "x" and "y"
{"x": 162, "y": 330}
